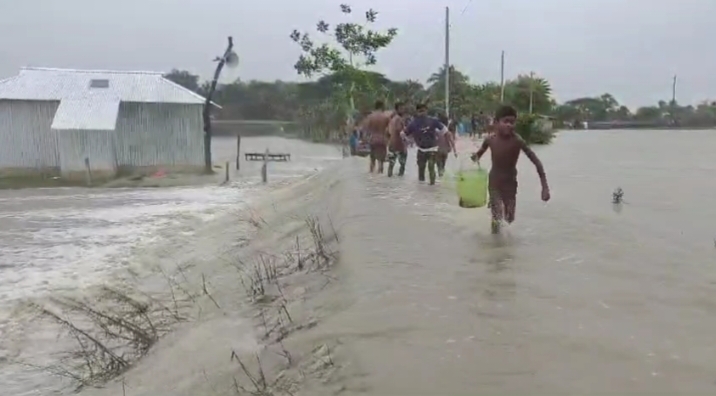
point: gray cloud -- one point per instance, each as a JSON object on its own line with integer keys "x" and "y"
{"x": 630, "y": 48}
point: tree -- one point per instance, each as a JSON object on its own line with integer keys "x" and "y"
{"x": 649, "y": 113}
{"x": 320, "y": 107}
{"x": 357, "y": 48}
{"x": 602, "y": 108}
{"x": 410, "y": 90}
{"x": 519, "y": 91}
{"x": 461, "y": 93}
{"x": 487, "y": 96}
{"x": 185, "y": 79}
{"x": 588, "y": 109}
{"x": 436, "y": 81}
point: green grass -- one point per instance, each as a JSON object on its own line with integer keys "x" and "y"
{"x": 19, "y": 182}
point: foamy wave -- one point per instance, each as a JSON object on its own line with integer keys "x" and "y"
{"x": 64, "y": 246}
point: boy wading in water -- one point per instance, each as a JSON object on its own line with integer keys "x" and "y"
{"x": 375, "y": 126}
{"x": 425, "y": 131}
{"x": 397, "y": 148}
{"x": 505, "y": 146}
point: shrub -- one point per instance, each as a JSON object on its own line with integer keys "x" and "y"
{"x": 533, "y": 130}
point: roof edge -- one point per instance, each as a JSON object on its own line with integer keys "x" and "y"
{"x": 4, "y": 80}
{"x": 168, "y": 81}
{"x": 55, "y": 69}
{"x": 79, "y": 71}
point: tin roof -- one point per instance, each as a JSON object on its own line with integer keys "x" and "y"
{"x": 128, "y": 86}
{"x": 86, "y": 114}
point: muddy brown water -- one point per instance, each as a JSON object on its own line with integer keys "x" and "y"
{"x": 576, "y": 297}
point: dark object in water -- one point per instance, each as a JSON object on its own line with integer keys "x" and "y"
{"x": 618, "y": 196}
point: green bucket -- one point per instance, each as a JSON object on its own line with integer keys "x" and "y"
{"x": 472, "y": 188}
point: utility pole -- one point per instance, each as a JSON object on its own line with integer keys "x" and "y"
{"x": 672, "y": 105}
{"x": 532, "y": 83}
{"x": 447, "y": 62}
{"x": 502, "y": 77}
{"x": 230, "y": 59}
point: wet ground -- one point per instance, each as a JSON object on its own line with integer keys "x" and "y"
{"x": 576, "y": 297}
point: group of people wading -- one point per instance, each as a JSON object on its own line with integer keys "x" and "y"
{"x": 390, "y": 133}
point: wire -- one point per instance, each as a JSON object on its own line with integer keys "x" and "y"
{"x": 466, "y": 6}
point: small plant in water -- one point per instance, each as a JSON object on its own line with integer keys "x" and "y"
{"x": 618, "y": 196}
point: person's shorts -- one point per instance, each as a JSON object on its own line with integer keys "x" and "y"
{"x": 378, "y": 151}
{"x": 504, "y": 191}
{"x": 441, "y": 158}
{"x": 398, "y": 155}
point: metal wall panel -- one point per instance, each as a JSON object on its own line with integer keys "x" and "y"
{"x": 157, "y": 134}
{"x": 26, "y": 140}
{"x": 76, "y": 145}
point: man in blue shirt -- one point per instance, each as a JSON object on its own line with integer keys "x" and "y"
{"x": 425, "y": 131}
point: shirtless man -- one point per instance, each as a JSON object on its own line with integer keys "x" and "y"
{"x": 505, "y": 146}
{"x": 397, "y": 148}
{"x": 446, "y": 144}
{"x": 375, "y": 126}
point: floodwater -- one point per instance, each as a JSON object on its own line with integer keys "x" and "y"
{"x": 576, "y": 297}
{"x": 54, "y": 240}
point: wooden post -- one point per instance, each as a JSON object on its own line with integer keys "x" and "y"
{"x": 88, "y": 171}
{"x": 238, "y": 150}
{"x": 226, "y": 180}
{"x": 264, "y": 168}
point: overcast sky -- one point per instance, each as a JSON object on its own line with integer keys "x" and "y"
{"x": 630, "y": 48}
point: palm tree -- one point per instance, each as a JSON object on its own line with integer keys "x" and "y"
{"x": 519, "y": 90}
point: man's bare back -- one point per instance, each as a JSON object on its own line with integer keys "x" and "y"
{"x": 376, "y": 126}
{"x": 395, "y": 126}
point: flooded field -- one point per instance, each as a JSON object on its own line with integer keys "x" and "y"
{"x": 576, "y": 297}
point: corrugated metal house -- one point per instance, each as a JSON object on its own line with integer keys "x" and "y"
{"x": 52, "y": 120}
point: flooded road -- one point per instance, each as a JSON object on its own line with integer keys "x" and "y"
{"x": 69, "y": 239}
{"x": 575, "y": 297}
{"x": 69, "y": 235}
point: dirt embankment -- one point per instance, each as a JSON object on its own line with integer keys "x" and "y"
{"x": 227, "y": 325}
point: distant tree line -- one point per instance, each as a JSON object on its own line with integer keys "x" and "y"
{"x": 343, "y": 88}
{"x": 289, "y": 101}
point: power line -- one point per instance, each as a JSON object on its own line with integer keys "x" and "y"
{"x": 466, "y": 6}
